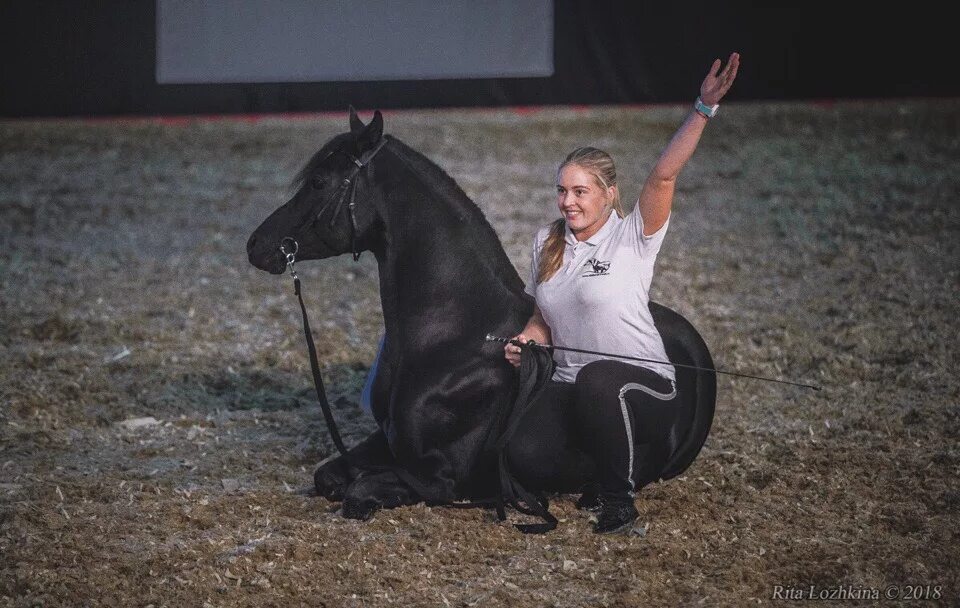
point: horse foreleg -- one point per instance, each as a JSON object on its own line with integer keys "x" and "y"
{"x": 334, "y": 474}
{"x": 376, "y": 490}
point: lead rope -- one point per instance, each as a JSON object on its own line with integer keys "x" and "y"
{"x": 424, "y": 491}
{"x": 536, "y": 367}
{"x": 312, "y": 349}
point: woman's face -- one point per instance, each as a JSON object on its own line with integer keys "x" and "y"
{"x": 585, "y": 205}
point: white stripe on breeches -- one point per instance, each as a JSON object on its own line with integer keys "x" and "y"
{"x": 626, "y": 416}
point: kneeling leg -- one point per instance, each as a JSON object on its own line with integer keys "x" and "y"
{"x": 376, "y": 490}
{"x": 334, "y": 474}
{"x": 623, "y": 424}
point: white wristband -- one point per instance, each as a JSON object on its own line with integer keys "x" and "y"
{"x": 707, "y": 111}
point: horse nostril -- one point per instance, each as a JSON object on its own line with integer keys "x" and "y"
{"x": 251, "y": 243}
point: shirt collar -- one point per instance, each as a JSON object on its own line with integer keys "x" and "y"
{"x": 597, "y": 238}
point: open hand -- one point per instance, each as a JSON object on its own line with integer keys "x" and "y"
{"x": 716, "y": 85}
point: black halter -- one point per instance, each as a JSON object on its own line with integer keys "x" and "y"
{"x": 349, "y": 188}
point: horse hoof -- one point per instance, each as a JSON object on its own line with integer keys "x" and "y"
{"x": 330, "y": 482}
{"x": 360, "y": 508}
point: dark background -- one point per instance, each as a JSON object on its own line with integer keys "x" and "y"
{"x": 98, "y": 58}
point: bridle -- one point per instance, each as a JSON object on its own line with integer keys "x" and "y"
{"x": 346, "y": 189}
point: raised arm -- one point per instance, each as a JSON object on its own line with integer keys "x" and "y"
{"x": 656, "y": 197}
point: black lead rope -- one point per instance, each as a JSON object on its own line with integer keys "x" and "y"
{"x": 291, "y": 256}
{"x": 536, "y": 367}
{"x": 315, "y": 369}
{"x": 424, "y": 491}
{"x": 349, "y": 189}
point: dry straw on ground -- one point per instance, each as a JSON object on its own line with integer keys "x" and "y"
{"x": 156, "y": 420}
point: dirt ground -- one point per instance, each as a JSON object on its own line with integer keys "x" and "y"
{"x": 158, "y": 434}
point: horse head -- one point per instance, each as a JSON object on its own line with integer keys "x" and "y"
{"x": 321, "y": 217}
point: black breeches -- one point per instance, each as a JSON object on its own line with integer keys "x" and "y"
{"x": 626, "y": 416}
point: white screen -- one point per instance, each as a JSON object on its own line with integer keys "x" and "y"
{"x": 204, "y": 41}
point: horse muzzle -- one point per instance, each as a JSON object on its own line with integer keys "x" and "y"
{"x": 265, "y": 256}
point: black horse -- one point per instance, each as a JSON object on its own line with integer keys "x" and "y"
{"x": 445, "y": 283}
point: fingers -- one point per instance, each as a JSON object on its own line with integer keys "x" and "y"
{"x": 510, "y": 349}
{"x": 514, "y": 349}
{"x": 711, "y": 79}
{"x": 513, "y": 357}
{"x": 730, "y": 71}
{"x": 714, "y": 68}
{"x": 512, "y": 352}
{"x": 716, "y": 84}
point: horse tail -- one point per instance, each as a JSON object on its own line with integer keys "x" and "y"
{"x": 697, "y": 389}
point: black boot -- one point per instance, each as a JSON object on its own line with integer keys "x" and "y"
{"x": 617, "y": 513}
{"x": 590, "y": 499}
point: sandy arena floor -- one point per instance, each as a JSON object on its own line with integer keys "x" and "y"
{"x": 817, "y": 242}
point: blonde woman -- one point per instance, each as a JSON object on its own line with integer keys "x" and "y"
{"x": 591, "y": 276}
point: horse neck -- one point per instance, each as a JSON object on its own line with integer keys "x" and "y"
{"x": 442, "y": 267}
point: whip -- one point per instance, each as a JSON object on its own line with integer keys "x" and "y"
{"x": 549, "y": 347}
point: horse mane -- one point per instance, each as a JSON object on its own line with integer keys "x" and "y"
{"x": 447, "y": 189}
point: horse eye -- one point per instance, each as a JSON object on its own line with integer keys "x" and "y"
{"x": 317, "y": 183}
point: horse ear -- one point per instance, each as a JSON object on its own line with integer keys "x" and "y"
{"x": 356, "y": 125}
{"x": 374, "y": 131}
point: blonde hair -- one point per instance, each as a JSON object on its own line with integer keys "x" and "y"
{"x": 599, "y": 164}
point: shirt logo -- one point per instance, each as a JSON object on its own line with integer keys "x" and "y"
{"x": 596, "y": 268}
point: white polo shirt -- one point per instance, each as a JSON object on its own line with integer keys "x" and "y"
{"x": 598, "y": 299}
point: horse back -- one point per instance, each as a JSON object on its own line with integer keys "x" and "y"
{"x": 697, "y": 389}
